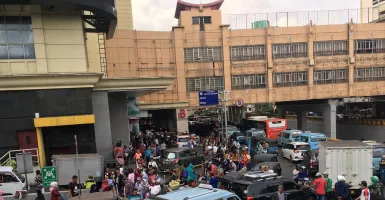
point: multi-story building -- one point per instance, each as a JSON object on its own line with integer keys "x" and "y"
{"x": 261, "y": 65}
{"x": 372, "y": 11}
{"x": 52, "y": 56}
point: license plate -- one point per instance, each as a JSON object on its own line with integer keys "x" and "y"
{"x": 352, "y": 192}
{"x": 167, "y": 162}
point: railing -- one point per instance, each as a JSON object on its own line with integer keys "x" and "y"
{"x": 7, "y": 158}
{"x": 303, "y": 18}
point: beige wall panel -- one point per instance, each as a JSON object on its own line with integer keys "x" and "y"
{"x": 62, "y": 22}
{"x": 66, "y": 51}
{"x": 38, "y": 36}
{"x": 67, "y": 65}
{"x": 66, "y": 37}
{"x": 18, "y": 67}
{"x": 32, "y": 67}
{"x": 4, "y": 68}
{"x": 40, "y": 51}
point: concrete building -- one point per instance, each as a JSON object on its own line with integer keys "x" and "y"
{"x": 262, "y": 65}
{"x": 52, "y": 84}
{"x": 372, "y": 11}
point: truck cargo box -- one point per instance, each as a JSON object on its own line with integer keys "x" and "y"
{"x": 66, "y": 166}
{"x": 349, "y": 157}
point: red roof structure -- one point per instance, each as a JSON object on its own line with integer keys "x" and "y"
{"x": 181, "y": 6}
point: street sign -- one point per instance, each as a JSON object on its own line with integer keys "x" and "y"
{"x": 239, "y": 102}
{"x": 208, "y": 98}
{"x": 49, "y": 175}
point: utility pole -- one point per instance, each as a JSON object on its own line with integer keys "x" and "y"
{"x": 224, "y": 112}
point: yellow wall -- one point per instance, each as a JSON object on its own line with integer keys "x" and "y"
{"x": 59, "y": 42}
{"x": 146, "y": 53}
{"x": 124, "y": 9}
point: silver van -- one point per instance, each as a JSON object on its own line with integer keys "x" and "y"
{"x": 287, "y": 136}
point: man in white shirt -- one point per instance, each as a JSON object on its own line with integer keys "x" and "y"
{"x": 152, "y": 163}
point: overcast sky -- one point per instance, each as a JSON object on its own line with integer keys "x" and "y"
{"x": 159, "y": 14}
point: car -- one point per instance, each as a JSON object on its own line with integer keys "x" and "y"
{"x": 312, "y": 138}
{"x": 198, "y": 193}
{"x": 275, "y": 166}
{"x": 237, "y": 182}
{"x": 287, "y": 136}
{"x": 172, "y": 157}
{"x": 12, "y": 182}
{"x": 294, "y": 150}
{"x": 183, "y": 139}
{"x": 255, "y": 133}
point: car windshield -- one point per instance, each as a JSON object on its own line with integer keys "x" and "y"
{"x": 378, "y": 151}
{"x": 318, "y": 138}
{"x": 303, "y": 147}
{"x": 169, "y": 155}
{"x": 232, "y": 128}
{"x": 295, "y": 136}
{"x": 238, "y": 133}
{"x": 183, "y": 139}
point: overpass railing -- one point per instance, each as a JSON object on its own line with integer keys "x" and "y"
{"x": 371, "y": 122}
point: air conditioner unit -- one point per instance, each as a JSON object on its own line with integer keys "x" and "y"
{"x": 197, "y": 58}
{"x": 352, "y": 60}
{"x": 311, "y": 62}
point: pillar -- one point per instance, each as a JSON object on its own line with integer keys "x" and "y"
{"x": 102, "y": 126}
{"x": 40, "y": 145}
{"x": 119, "y": 117}
{"x": 181, "y": 120}
{"x": 243, "y": 113}
{"x": 374, "y": 110}
{"x": 329, "y": 113}
{"x": 281, "y": 112}
{"x": 301, "y": 120}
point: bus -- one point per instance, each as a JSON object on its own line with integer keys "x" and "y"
{"x": 272, "y": 126}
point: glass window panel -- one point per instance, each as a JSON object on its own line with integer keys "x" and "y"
{"x": 13, "y": 23}
{"x": 3, "y": 52}
{"x": 16, "y": 52}
{"x": 3, "y": 37}
{"x": 26, "y": 23}
{"x": 29, "y": 51}
{"x": 14, "y": 37}
{"x": 27, "y": 37}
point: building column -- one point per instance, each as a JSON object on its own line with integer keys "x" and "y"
{"x": 302, "y": 120}
{"x": 329, "y": 113}
{"x": 119, "y": 117}
{"x": 102, "y": 126}
{"x": 40, "y": 145}
{"x": 351, "y": 59}
{"x": 374, "y": 110}
{"x": 181, "y": 120}
{"x": 243, "y": 114}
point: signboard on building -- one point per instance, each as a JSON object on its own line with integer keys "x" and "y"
{"x": 49, "y": 175}
{"x": 208, "y": 98}
{"x": 181, "y": 113}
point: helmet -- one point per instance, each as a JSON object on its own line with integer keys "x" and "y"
{"x": 318, "y": 174}
{"x": 375, "y": 179}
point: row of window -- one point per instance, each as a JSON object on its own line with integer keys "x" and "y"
{"x": 285, "y": 79}
{"x": 293, "y": 50}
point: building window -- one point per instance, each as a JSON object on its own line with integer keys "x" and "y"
{"x": 256, "y": 52}
{"x": 329, "y": 48}
{"x": 203, "y": 54}
{"x": 290, "y": 50}
{"x": 16, "y": 38}
{"x": 201, "y": 20}
{"x": 330, "y": 76}
{"x": 204, "y": 83}
{"x": 290, "y": 79}
{"x": 248, "y": 81}
{"x": 369, "y": 46}
{"x": 369, "y": 74}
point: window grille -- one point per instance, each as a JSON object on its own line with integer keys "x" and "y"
{"x": 331, "y": 76}
{"x": 203, "y": 54}
{"x": 369, "y": 46}
{"x": 328, "y": 48}
{"x": 248, "y": 81}
{"x": 256, "y": 52}
{"x": 290, "y": 50}
{"x": 204, "y": 83}
{"x": 201, "y": 20}
{"x": 290, "y": 79}
{"x": 369, "y": 74}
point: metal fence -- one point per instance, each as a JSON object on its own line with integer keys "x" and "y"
{"x": 303, "y": 18}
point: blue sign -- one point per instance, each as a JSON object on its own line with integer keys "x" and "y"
{"x": 208, "y": 98}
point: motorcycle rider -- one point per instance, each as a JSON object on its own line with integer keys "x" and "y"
{"x": 376, "y": 189}
{"x": 295, "y": 173}
{"x": 302, "y": 176}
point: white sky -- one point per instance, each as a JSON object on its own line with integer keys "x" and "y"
{"x": 159, "y": 14}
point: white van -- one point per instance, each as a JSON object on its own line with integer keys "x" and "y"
{"x": 11, "y": 182}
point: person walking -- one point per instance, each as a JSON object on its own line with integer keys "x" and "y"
{"x": 55, "y": 195}
{"x": 365, "y": 193}
{"x": 329, "y": 185}
{"x": 319, "y": 185}
{"x": 38, "y": 178}
{"x": 341, "y": 188}
{"x": 73, "y": 187}
{"x": 148, "y": 155}
{"x": 280, "y": 194}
